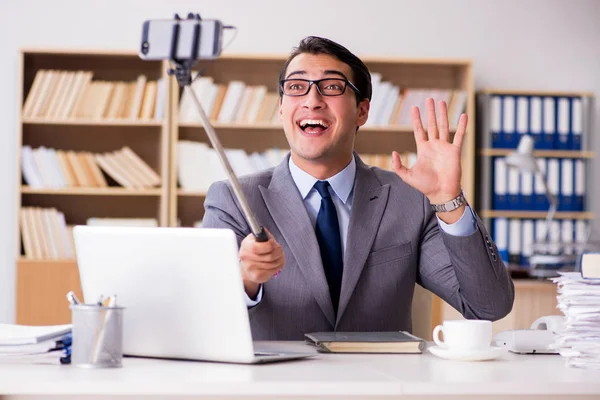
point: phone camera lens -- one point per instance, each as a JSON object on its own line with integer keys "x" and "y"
{"x": 145, "y": 47}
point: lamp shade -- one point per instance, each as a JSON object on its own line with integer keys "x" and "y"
{"x": 523, "y": 158}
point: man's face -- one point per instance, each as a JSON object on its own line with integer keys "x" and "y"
{"x": 321, "y": 129}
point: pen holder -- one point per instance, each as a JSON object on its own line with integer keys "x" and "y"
{"x": 97, "y": 336}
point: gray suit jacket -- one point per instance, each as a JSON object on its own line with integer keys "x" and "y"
{"x": 394, "y": 241}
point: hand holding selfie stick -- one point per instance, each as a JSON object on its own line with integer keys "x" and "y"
{"x": 182, "y": 72}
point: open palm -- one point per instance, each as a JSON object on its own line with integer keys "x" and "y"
{"x": 437, "y": 171}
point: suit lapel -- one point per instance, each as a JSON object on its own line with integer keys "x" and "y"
{"x": 289, "y": 213}
{"x": 368, "y": 204}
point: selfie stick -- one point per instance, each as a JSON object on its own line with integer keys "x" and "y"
{"x": 183, "y": 73}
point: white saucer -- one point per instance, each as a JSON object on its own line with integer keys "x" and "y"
{"x": 470, "y": 355}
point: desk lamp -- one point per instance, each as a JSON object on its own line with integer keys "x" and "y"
{"x": 543, "y": 263}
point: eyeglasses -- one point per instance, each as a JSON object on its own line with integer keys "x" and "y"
{"x": 325, "y": 87}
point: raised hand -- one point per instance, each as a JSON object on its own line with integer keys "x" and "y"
{"x": 437, "y": 171}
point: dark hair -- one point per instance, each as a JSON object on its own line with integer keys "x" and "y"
{"x": 361, "y": 77}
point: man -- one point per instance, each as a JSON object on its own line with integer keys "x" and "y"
{"x": 348, "y": 242}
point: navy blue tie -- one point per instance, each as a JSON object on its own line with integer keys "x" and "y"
{"x": 330, "y": 243}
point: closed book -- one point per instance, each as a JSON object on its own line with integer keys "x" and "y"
{"x": 590, "y": 265}
{"x": 366, "y": 342}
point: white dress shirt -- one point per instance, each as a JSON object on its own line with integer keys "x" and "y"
{"x": 341, "y": 187}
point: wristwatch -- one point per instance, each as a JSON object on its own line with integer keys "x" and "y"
{"x": 450, "y": 205}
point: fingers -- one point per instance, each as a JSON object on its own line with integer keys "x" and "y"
{"x": 269, "y": 235}
{"x": 249, "y": 254}
{"x": 461, "y": 130}
{"x": 255, "y": 247}
{"x": 444, "y": 129}
{"x": 432, "y": 128}
{"x": 260, "y": 272}
{"x": 435, "y": 130}
{"x": 397, "y": 166}
{"x": 259, "y": 261}
{"x": 417, "y": 125}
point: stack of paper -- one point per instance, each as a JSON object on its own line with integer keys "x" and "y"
{"x": 579, "y": 299}
{"x": 39, "y": 344}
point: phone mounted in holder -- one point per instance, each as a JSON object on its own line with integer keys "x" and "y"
{"x": 183, "y": 67}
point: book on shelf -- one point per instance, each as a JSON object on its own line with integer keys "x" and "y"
{"x": 105, "y": 221}
{"x": 233, "y": 102}
{"x": 365, "y": 342}
{"x": 198, "y": 165}
{"x": 237, "y": 102}
{"x": 555, "y": 122}
{"x": 45, "y": 234}
{"x": 49, "y": 168}
{"x": 391, "y": 104}
{"x": 515, "y": 237}
{"x": 70, "y": 95}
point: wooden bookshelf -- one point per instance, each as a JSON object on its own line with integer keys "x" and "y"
{"x": 42, "y": 283}
{"x": 541, "y": 153}
{"x": 519, "y": 92}
{"x": 186, "y": 207}
{"x": 88, "y": 122}
{"x": 108, "y": 191}
{"x": 41, "y": 289}
{"x": 156, "y": 143}
{"x": 536, "y": 214}
{"x": 533, "y": 298}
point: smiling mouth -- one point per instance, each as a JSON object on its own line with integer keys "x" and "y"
{"x": 313, "y": 126}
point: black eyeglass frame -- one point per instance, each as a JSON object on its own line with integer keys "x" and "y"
{"x": 317, "y": 81}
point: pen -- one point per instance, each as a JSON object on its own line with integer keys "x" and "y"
{"x": 109, "y": 302}
{"x": 72, "y": 298}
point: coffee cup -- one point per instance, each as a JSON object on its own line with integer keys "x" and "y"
{"x": 464, "y": 335}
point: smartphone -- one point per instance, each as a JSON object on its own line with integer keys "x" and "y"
{"x": 157, "y": 38}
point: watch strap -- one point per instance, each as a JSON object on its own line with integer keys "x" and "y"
{"x": 450, "y": 205}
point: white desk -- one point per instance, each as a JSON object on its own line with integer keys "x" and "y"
{"x": 339, "y": 376}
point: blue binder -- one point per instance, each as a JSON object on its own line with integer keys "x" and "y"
{"x": 500, "y": 187}
{"x": 500, "y": 237}
{"x": 577, "y": 117}
{"x": 535, "y": 121}
{"x": 509, "y": 116}
{"x": 563, "y": 137}
{"x": 567, "y": 186}
{"x": 496, "y": 122}
{"x": 579, "y": 185}
{"x": 548, "y": 123}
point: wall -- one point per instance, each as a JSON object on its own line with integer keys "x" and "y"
{"x": 535, "y": 44}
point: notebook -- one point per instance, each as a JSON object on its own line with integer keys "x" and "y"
{"x": 14, "y": 335}
{"x": 366, "y": 342}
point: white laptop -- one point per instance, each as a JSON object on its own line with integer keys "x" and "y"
{"x": 181, "y": 288}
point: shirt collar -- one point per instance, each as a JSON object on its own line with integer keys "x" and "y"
{"x": 341, "y": 183}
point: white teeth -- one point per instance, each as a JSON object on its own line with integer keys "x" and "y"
{"x": 305, "y": 122}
